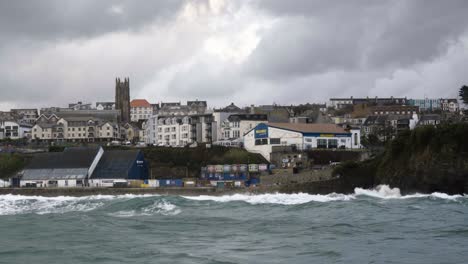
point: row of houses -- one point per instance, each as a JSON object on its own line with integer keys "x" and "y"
{"x": 427, "y": 104}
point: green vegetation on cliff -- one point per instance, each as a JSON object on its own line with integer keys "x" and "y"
{"x": 11, "y": 164}
{"x": 426, "y": 159}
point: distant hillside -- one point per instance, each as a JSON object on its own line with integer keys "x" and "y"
{"x": 427, "y": 159}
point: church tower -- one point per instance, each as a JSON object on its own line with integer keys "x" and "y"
{"x": 122, "y": 98}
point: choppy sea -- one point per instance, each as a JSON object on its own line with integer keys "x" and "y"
{"x": 369, "y": 226}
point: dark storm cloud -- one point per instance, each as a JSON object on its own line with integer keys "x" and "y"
{"x": 318, "y": 36}
{"x": 62, "y": 19}
{"x": 57, "y": 51}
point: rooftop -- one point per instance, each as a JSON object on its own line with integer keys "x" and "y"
{"x": 140, "y": 103}
{"x": 309, "y": 128}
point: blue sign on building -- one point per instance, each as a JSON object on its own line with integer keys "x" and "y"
{"x": 261, "y": 131}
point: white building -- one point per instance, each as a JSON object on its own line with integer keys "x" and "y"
{"x": 450, "y": 105}
{"x": 264, "y": 137}
{"x": 105, "y": 106}
{"x": 14, "y": 130}
{"x": 233, "y": 129}
{"x": 140, "y": 109}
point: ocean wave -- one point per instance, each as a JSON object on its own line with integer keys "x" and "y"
{"x": 21, "y": 204}
{"x": 386, "y": 192}
{"x": 276, "y": 198}
{"x": 380, "y": 192}
{"x": 159, "y": 207}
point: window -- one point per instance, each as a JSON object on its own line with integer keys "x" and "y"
{"x": 226, "y": 134}
{"x": 236, "y": 133}
{"x": 355, "y": 139}
{"x": 321, "y": 143}
{"x": 275, "y": 141}
{"x": 261, "y": 141}
{"x": 332, "y": 143}
{"x": 308, "y": 140}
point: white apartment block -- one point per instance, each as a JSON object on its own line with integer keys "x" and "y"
{"x": 179, "y": 131}
{"x": 233, "y": 129}
{"x": 140, "y": 109}
{"x": 14, "y": 130}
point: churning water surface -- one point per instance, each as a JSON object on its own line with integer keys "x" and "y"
{"x": 369, "y": 226}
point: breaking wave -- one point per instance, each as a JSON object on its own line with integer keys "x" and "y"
{"x": 380, "y": 192}
{"x": 276, "y": 198}
{"x": 385, "y": 192}
{"x": 130, "y": 205}
{"x": 19, "y": 204}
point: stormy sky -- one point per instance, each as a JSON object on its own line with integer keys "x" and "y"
{"x": 54, "y": 52}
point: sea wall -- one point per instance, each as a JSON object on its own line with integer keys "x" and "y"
{"x": 110, "y": 191}
{"x": 284, "y": 177}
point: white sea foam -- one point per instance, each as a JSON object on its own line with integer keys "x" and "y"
{"x": 20, "y": 204}
{"x": 385, "y": 192}
{"x": 380, "y": 192}
{"x": 276, "y": 198}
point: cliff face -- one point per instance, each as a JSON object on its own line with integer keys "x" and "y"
{"x": 427, "y": 159}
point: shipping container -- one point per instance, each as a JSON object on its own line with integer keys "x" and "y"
{"x": 226, "y": 168}
{"x": 133, "y": 183}
{"x": 153, "y": 183}
{"x": 243, "y": 167}
{"x": 219, "y": 168}
{"x": 253, "y": 167}
{"x": 211, "y": 168}
{"x": 171, "y": 183}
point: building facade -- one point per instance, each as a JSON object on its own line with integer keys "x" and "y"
{"x": 105, "y": 106}
{"x": 25, "y": 115}
{"x": 140, "y": 109}
{"x": 264, "y": 137}
{"x": 450, "y": 105}
{"x": 14, "y": 130}
{"x": 339, "y": 103}
{"x": 75, "y": 129}
{"x": 233, "y": 129}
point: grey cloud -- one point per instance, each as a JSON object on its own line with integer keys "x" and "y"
{"x": 419, "y": 31}
{"x": 300, "y": 46}
{"x": 56, "y": 51}
{"x": 68, "y": 19}
{"x": 318, "y": 36}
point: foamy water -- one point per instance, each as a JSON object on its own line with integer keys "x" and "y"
{"x": 19, "y": 204}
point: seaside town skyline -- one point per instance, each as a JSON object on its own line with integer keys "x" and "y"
{"x": 233, "y": 131}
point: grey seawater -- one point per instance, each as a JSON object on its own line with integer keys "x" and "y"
{"x": 370, "y": 226}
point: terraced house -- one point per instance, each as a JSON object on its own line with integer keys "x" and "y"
{"x": 74, "y": 129}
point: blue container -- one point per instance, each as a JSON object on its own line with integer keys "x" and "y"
{"x": 171, "y": 183}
